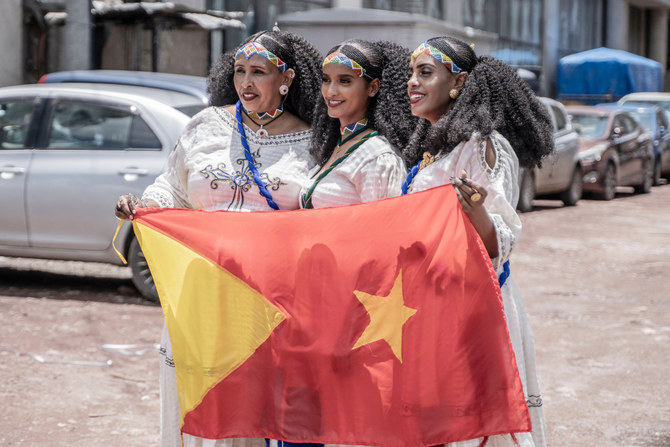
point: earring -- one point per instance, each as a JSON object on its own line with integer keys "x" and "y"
{"x": 283, "y": 89}
{"x": 372, "y": 94}
{"x": 453, "y": 93}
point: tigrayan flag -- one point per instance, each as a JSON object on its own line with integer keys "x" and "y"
{"x": 377, "y": 324}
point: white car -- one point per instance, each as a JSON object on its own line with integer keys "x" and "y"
{"x": 561, "y": 171}
{"x": 67, "y": 152}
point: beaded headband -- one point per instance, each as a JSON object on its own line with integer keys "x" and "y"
{"x": 252, "y": 48}
{"x": 344, "y": 60}
{"x": 438, "y": 55}
{"x": 353, "y": 58}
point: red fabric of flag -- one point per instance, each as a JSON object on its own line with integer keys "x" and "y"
{"x": 389, "y": 327}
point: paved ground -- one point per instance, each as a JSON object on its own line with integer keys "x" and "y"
{"x": 594, "y": 279}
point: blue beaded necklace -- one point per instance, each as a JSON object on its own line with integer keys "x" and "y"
{"x": 250, "y": 160}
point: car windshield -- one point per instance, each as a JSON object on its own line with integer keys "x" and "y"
{"x": 645, "y": 119}
{"x": 590, "y": 126}
{"x": 665, "y": 105}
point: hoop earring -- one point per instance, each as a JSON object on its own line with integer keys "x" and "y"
{"x": 453, "y": 93}
{"x": 283, "y": 89}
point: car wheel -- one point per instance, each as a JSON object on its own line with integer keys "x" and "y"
{"x": 141, "y": 275}
{"x": 657, "y": 171}
{"x": 526, "y": 193}
{"x": 609, "y": 183}
{"x": 571, "y": 196}
{"x": 647, "y": 180}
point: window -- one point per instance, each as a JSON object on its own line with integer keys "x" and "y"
{"x": 15, "y": 118}
{"x": 78, "y": 125}
{"x": 559, "y": 117}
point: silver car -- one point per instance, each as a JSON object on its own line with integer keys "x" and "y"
{"x": 67, "y": 151}
{"x": 561, "y": 171}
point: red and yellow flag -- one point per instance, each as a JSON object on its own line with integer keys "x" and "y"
{"x": 375, "y": 324}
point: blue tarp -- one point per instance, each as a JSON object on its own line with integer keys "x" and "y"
{"x": 605, "y": 75}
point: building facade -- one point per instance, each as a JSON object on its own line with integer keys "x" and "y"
{"x": 529, "y": 34}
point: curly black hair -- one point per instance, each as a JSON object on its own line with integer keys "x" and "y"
{"x": 295, "y": 51}
{"x": 493, "y": 98}
{"x": 388, "y": 112}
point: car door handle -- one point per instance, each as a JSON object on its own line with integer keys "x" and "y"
{"x": 135, "y": 171}
{"x": 12, "y": 170}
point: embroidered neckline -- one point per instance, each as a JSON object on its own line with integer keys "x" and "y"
{"x": 270, "y": 140}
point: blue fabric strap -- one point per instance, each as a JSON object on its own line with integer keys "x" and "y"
{"x": 410, "y": 176}
{"x": 504, "y": 275}
{"x": 247, "y": 154}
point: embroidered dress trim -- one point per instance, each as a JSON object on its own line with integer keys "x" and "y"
{"x": 163, "y": 199}
{"x": 256, "y": 48}
{"x": 534, "y": 400}
{"x": 270, "y": 140}
{"x": 505, "y": 238}
{"x": 437, "y": 55}
{"x": 494, "y": 172}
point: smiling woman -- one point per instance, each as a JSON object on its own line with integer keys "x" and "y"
{"x": 480, "y": 121}
{"x": 361, "y": 122}
{"x": 249, "y": 152}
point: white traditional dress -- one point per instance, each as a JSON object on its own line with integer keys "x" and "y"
{"x": 373, "y": 171}
{"x": 501, "y": 183}
{"x": 208, "y": 171}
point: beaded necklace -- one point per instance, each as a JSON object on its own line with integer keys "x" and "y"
{"x": 250, "y": 160}
{"x": 350, "y": 130}
{"x": 276, "y": 113}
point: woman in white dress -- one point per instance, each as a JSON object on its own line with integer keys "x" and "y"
{"x": 480, "y": 121}
{"x": 361, "y": 121}
{"x": 248, "y": 152}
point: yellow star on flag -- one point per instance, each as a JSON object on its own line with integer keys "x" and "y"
{"x": 388, "y": 315}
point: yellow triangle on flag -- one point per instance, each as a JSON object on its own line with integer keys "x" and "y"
{"x": 204, "y": 304}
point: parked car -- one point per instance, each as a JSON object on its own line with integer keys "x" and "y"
{"x": 67, "y": 152}
{"x": 195, "y": 86}
{"x": 615, "y": 150}
{"x": 561, "y": 171}
{"x": 654, "y": 119}
{"x": 660, "y": 99}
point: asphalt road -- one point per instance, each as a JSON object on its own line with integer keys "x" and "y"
{"x": 78, "y": 365}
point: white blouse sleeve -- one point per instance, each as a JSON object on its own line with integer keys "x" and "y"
{"x": 169, "y": 188}
{"x": 501, "y": 183}
{"x": 380, "y": 177}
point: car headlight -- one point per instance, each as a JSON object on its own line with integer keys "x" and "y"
{"x": 593, "y": 154}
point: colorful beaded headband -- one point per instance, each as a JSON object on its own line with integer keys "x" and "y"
{"x": 344, "y": 60}
{"x": 252, "y": 48}
{"x": 438, "y": 55}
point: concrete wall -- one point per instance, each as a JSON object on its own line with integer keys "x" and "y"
{"x": 326, "y": 28}
{"x": 176, "y": 44}
{"x": 11, "y": 42}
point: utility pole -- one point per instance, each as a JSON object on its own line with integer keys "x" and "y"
{"x": 78, "y": 32}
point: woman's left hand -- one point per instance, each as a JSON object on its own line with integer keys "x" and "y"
{"x": 470, "y": 194}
